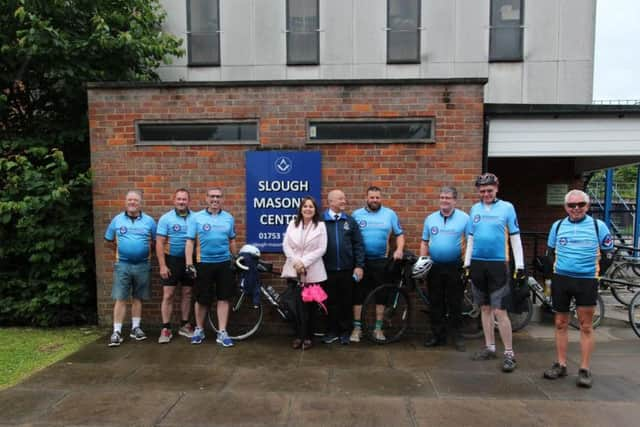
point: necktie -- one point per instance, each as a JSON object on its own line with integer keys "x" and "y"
{"x": 337, "y": 217}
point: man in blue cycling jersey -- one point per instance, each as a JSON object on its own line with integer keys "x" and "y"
{"x": 211, "y": 235}
{"x": 443, "y": 239}
{"x": 132, "y": 233}
{"x": 171, "y": 239}
{"x": 576, "y": 243}
{"x": 377, "y": 223}
{"x": 492, "y": 226}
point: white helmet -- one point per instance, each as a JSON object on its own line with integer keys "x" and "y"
{"x": 421, "y": 267}
{"x": 251, "y": 250}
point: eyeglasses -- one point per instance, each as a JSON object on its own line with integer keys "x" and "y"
{"x": 576, "y": 205}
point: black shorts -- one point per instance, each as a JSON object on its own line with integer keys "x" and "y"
{"x": 563, "y": 288}
{"x": 214, "y": 281}
{"x": 176, "y": 265}
{"x": 491, "y": 284}
{"x": 374, "y": 276}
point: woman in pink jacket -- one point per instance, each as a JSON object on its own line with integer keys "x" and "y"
{"x": 305, "y": 242}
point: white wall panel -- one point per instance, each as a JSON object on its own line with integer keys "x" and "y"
{"x": 564, "y": 137}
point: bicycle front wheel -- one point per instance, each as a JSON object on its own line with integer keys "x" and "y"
{"x": 245, "y": 317}
{"x": 390, "y": 303}
{"x": 634, "y": 314}
{"x": 626, "y": 272}
{"x": 598, "y": 314}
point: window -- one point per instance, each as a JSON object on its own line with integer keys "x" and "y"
{"x": 403, "y": 31}
{"x": 203, "y": 32}
{"x": 303, "y": 41}
{"x": 420, "y": 130}
{"x": 197, "y": 133}
{"x": 505, "y": 38}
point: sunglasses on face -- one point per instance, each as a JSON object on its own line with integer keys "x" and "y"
{"x": 576, "y": 205}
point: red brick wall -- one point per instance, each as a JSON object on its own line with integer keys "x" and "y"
{"x": 410, "y": 174}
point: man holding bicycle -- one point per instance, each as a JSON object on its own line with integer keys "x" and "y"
{"x": 492, "y": 226}
{"x": 212, "y": 233}
{"x": 575, "y": 244}
{"x": 170, "y": 242}
{"x": 376, "y": 223}
{"x": 344, "y": 262}
{"x": 443, "y": 239}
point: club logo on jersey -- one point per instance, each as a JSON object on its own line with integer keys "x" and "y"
{"x": 123, "y": 230}
{"x": 362, "y": 223}
{"x": 206, "y": 227}
{"x": 176, "y": 227}
{"x": 346, "y": 226}
{"x": 434, "y": 230}
{"x": 563, "y": 241}
{"x": 515, "y": 221}
{"x": 608, "y": 240}
{"x": 476, "y": 219}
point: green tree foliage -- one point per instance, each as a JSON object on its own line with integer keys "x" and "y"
{"x": 48, "y": 50}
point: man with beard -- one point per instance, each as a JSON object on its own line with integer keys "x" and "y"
{"x": 170, "y": 242}
{"x": 376, "y": 223}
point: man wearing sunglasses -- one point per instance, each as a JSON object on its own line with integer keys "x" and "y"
{"x": 493, "y": 226}
{"x": 576, "y": 243}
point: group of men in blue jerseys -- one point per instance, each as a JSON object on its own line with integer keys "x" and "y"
{"x": 195, "y": 249}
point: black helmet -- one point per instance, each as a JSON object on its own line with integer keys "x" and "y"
{"x": 486, "y": 179}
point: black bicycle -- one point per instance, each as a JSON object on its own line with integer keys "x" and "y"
{"x": 246, "y": 315}
{"x": 397, "y": 311}
{"x": 623, "y": 275}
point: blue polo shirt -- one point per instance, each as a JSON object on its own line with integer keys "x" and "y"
{"x": 578, "y": 247}
{"x": 211, "y": 233}
{"x": 376, "y": 227}
{"x": 446, "y": 235}
{"x": 133, "y": 237}
{"x": 491, "y": 225}
{"x": 173, "y": 226}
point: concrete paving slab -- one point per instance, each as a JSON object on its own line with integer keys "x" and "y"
{"x": 380, "y": 382}
{"x": 472, "y": 412}
{"x": 112, "y": 407}
{"x": 618, "y": 364}
{"x": 228, "y": 409}
{"x": 150, "y": 352}
{"x": 338, "y": 356}
{"x": 485, "y": 385}
{"x": 259, "y": 354}
{"x": 72, "y": 376}
{"x": 370, "y": 411}
{"x": 571, "y": 414}
{"x": 22, "y": 405}
{"x": 181, "y": 377}
{"x": 605, "y": 388}
{"x": 288, "y": 380}
{"x": 98, "y": 352}
{"x": 424, "y": 359}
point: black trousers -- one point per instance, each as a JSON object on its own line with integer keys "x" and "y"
{"x": 307, "y": 315}
{"x": 445, "y": 297}
{"x": 339, "y": 288}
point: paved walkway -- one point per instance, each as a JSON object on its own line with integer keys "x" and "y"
{"x": 264, "y": 382}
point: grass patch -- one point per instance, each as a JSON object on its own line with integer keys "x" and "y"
{"x": 26, "y": 350}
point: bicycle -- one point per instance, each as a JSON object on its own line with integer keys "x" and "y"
{"x": 634, "y": 313}
{"x": 245, "y": 316}
{"x": 623, "y": 276}
{"x": 398, "y": 309}
{"x": 537, "y": 293}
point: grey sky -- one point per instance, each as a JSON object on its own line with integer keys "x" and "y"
{"x": 617, "y": 50}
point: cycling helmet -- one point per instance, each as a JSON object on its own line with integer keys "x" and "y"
{"x": 250, "y": 250}
{"x": 421, "y": 267}
{"x": 486, "y": 179}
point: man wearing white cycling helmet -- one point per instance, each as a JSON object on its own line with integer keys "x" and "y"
{"x": 493, "y": 225}
{"x": 443, "y": 239}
